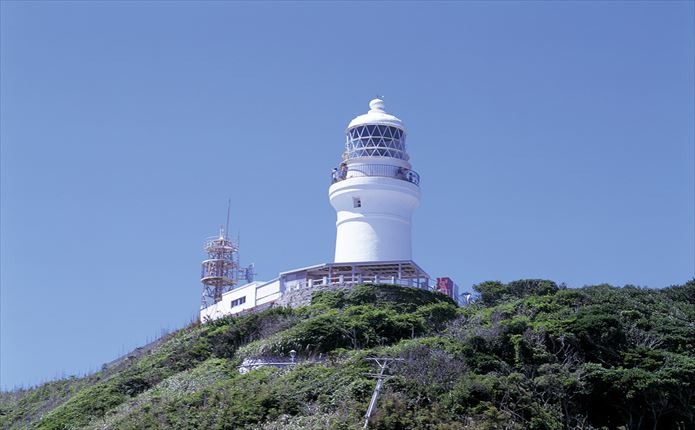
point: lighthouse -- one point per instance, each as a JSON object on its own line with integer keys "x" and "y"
{"x": 374, "y": 190}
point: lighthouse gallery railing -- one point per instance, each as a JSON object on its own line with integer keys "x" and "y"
{"x": 383, "y": 170}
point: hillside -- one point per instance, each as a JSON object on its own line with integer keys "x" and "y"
{"x": 526, "y": 355}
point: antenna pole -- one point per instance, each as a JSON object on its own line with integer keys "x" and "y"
{"x": 383, "y": 363}
{"x": 375, "y": 394}
{"x": 226, "y": 227}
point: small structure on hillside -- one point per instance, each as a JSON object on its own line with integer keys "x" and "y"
{"x": 250, "y": 364}
{"x": 253, "y": 363}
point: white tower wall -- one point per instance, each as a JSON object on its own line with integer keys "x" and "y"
{"x": 380, "y": 228}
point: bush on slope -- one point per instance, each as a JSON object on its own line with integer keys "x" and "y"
{"x": 533, "y": 355}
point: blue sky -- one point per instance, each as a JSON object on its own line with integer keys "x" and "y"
{"x": 554, "y": 140}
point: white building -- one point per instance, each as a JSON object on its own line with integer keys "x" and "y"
{"x": 374, "y": 192}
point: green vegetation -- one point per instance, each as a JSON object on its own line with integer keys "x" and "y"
{"x": 527, "y": 355}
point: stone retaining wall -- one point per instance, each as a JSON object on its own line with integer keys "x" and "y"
{"x": 302, "y": 296}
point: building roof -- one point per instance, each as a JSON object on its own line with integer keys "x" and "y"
{"x": 377, "y": 115}
{"x": 406, "y": 268}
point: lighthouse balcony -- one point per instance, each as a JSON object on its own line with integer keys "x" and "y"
{"x": 381, "y": 170}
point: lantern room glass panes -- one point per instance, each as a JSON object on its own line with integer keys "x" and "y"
{"x": 375, "y": 141}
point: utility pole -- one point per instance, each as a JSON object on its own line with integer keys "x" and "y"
{"x": 383, "y": 363}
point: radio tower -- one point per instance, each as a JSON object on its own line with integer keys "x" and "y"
{"x": 221, "y": 271}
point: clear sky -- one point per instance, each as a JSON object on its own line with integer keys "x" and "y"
{"x": 554, "y": 140}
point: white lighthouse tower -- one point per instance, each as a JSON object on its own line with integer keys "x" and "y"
{"x": 374, "y": 190}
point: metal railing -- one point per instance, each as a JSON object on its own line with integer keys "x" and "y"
{"x": 346, "y": 281}
{"x": 383, "y": 170}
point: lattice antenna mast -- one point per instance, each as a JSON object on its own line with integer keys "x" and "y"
{"x": 220, "y": 271}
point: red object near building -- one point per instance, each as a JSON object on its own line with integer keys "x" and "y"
{"x": 445, "y": 286}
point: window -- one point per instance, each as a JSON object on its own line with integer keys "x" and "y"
{"x": 356, "y": 202}
{"x": 375, "y": 141}
{"x": 239, "y": 301}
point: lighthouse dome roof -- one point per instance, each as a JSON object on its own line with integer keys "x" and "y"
{"x": 377, "y": 115}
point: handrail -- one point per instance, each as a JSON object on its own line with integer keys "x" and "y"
{"x": 336, "y": 281}
{"x": 347, "y": 171}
